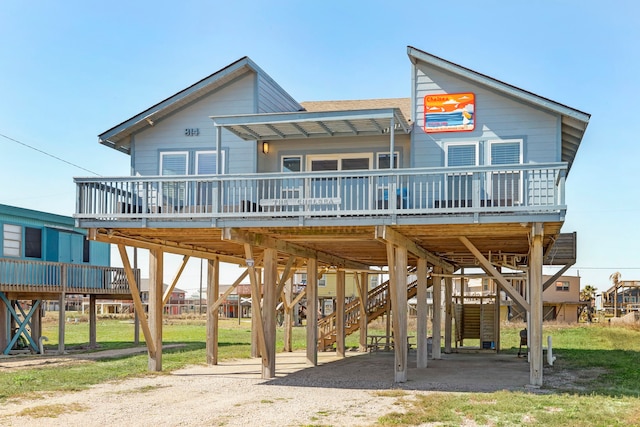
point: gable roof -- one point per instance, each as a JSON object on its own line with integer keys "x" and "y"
{"x": 117, "y": 136}
{"x": 574, "y": 122}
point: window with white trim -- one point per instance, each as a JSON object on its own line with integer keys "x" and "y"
{"x": 12, "y": 240}
{"x": 459, "y": 185}
{"x": 506, "y": 185}
{"x": 562, "y": 286}
{"x": 206, "y": 164}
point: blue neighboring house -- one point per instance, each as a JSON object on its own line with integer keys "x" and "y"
{"x": 45, "y": 256}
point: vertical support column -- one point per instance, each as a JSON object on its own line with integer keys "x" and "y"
{"x": 312, "y": 311}
{"x": 93, "y": 341}
{"x": 36, "y": 321}
{"x": 400, "y": 316}
{"x": 4, "y": 325}
{"x": 213, "y": 290}
{"x": 255, "y": 318}
{"x": 269, "y": 312}
{"x": 363, "y": 289}
{"x": 448, "y": 313}
{"x": 288, "y": 318}
{"x": 155, "y": 306}
{"x": 497, "y": 317}
{"x": 340, "y": 327}
{"x": 422, "y": 352}
{"x": 61, "y": 317}
{"x": 535, "y": 324}
{"x": 437, "y": 313}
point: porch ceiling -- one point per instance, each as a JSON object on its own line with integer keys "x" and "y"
{"x": 298, "y": 125}
{"x": 356, "y": 245}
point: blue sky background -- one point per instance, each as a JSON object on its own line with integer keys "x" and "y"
{"x": 73, "y": 69}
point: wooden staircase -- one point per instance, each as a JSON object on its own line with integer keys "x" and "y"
{"x": 377, "y": 302}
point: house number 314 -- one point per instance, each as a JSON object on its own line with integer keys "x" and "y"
{"x": 192, "y": 132}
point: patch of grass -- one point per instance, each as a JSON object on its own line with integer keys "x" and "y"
{"x": 52, "y": 411}
{"x": 515, "y": 408}
{"x": 390, "y": 393}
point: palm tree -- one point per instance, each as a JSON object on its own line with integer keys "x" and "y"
{"x": 615, "y": 279}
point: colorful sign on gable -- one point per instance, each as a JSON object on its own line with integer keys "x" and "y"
{"x": 449, "y": 112}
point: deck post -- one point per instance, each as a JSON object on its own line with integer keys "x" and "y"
{"x": 255, "y": 340}
{"x": 61, "y": 319}
{"x": 400, "y": 316}
{"x": 422, "y": 351}
{"x": 448, "y": 313}
{"x": 437, "y": 313}
{"x": 340, "y": 326}
{"x": 213, "y": 289}
{"x": 269, "y": 312}
{"x": 155, "y": 306}
{"x": 535, "y": 318}
{"x": 4, "y": 325}
{"x": 288, "y": 314}
{"x": 92, "y": 321}
{"x": 363, "y": 291}
{"x": 312, "y": 311}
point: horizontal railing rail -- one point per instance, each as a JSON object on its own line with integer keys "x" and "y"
{"x": 530, "y": 187}
{"x": 20, "y": 275}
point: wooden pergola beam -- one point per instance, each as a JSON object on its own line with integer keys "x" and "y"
{"x": 491, "y": 270}
{"x": 263, "y": 241}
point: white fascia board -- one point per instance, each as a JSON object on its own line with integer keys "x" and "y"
{"x": 264, "y": 119}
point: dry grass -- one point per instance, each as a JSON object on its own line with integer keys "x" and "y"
{"x": 52, "y": 411}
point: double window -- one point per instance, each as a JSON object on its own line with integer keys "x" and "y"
{"x": 506, "y": 185}
{"x": 176, "y": 194}
{"x": 13, "y": 243}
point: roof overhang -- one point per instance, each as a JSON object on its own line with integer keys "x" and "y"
{"x": 118, "y": 137}
{"x": 574, "y": 122}
{"x": 300, "y": 125}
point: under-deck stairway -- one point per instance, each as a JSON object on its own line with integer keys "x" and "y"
{"x": 377, "y": 303}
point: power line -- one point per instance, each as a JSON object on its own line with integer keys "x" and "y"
{"x": 48, "y": 154}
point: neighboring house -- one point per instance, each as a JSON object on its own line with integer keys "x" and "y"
{"x": 46, "y": 257}
{"x": 620, "y": 299}
{"x": 562, "y": 299}
{"x": 465, "y": 171}
{"x": 175, "y": 304}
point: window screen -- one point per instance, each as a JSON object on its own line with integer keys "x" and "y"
{"x": 291, "y": 164}
{"x": 206, "y": 163}
{"x": 505, "y": 153}
{"x": 33, "y": 242}
{"x": 461, "y": 155}
{"x": 174, "y": 164}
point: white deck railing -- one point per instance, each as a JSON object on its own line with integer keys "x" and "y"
{"x": 483, "y": 189}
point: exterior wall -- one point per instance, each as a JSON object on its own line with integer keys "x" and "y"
{"x": 496, "y": 117}
{"x": 272, "y": 98}
{"x": 375, "y": 144}
{"x": 238, "y": 97}
{"x": 61, "y": 240}
{"x": 566, "y": 302}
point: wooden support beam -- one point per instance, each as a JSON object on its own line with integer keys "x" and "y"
{"x": 400, "y": 346}
{"x": 213, "y": 289}
{"x": 286, "y": 274}
{"x": 448, "y": 313}
{"x": 362, "y": 279}
{"x": 174, "y": 282}
{"x": 491, "y": 270}
{"x": 137, "y": 302}
{"x": 164, "y": 245}
{"x": 226, "y": 293}
{"x": 92, "y": 322}
{"x": 536, "y": 312}
{"x": 436, "y": 350}
{"x": 422, "y": 352}
{"x": 387, "y": 234}
{"x": 156, "y": 283}
{"x": 4, "y": 325}
{"x": 312, "y": 311}
{"x": 264, "y": 241}
{"x": 340, "y": 313}
{"x": 269, "y": 312}
{"x": 551, "y": 280}
{"x": 256, "y": 311}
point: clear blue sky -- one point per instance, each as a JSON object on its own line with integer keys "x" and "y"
{"x": 73, "y": 69}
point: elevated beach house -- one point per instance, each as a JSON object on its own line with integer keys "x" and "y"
{"x": 466, "y": 171}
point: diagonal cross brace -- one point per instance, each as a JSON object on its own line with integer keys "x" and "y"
{"x": 22, "y": 328}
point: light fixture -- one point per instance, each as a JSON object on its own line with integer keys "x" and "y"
{"x": 265, "y": 147}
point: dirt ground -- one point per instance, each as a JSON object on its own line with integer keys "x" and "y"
{"x": 342, "y": 392}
